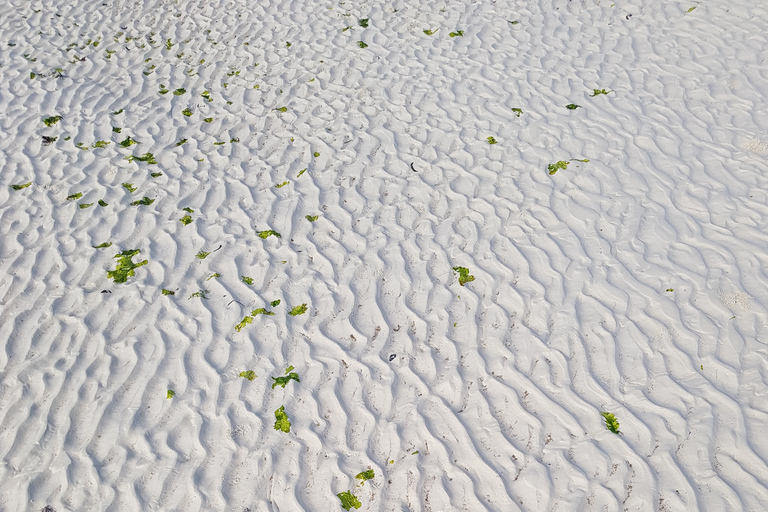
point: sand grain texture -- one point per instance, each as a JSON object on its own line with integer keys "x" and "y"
{"x": 634, "y": 283}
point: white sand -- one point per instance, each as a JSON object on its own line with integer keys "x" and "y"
{"x": 492, "y": 401}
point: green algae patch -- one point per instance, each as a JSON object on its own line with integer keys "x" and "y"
{"x": 363, "y": 22}
{"x": 51, "y": 120}
{"x": 146, "y": 157}
{"x": 145, "y": 201}
{"x": 100, "y": 144}
{"x": 125, "y": 266}
{"x": 261, "y": 311}
{"x": 83, "y": 206}
{"x": 361, "y": 44}
{"x": 249, "y": 374}
{"x": 597, "y": 92}
{"x": 186, "y": 220}
{"x": 128, "y": 142}
{"x": 187, "y": 112}
{"x": 283, "y": 380}
{"x": 282, "y": 109}
{"x": 611, "y": 423}
{"x": 247, "y": 320}
{"x": 458, "y": 33}
{"x": 464, "y": 276}
{"x": 301, "y": 172}
{"x": 365, "y": 475}
{"x": 74, "y": 197}
{"x": 311, "y": 218}
{"x": 517, "y": 111}
{"x": 431, "y": 32}
{"x": 202, "y": 294}
{"x": 349, "y": 500}
{"x": 572, "y": 106}
{"x": 266, "y": 234}
{"x": 167, "y": 292}
{"x": 129, "y": 187}
{"x": 298, "y": 310}
{"x": 21, "y": 186}
{"x": 179, "y": 92}
{"x": 103, "y": 203}
{"x": 170, "y": 394}
{"x": 247, "y": 280}
{"x": 553, "y": 168}
{"x": 281, "y": 185}
{"x": 274, "y": 304}
{"x": 202, "y": 255}
{"x": 282, "y": 422}
{"x": 491, "y": 140}
{"x": 102, "y": 246}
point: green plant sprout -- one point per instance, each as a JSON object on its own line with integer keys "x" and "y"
{"x": 553, "y": 168}
{"x": 611, "y": 423}
{"x": 127, "y": 143}
{"x": 181, "y": 142}
{"x": 143, "y": 202}
{"x": 281, "y": 185}
{"x": 187, "y": 112}
{"x": 363, "y": 22}
{"x": 311, "y": 218}
{"x": 249, "y": 374}
{"x": 572, "y": 106}
{"x": 146, "y": 157}
{"x": 52, "y": 120}
{"x": 21, "y": 186}
{"x": 247, "y": 280}
{"x": 125, "y": 267}
{"x": 283, "y": 380}
{"x": 170, "y": 394}
{"x": 103, "y": 203}
{"x": 261, "y": 311}
{"x": 349, "y": 500}
{"x": 209, "y": 120}
{"x": 361, "y": 44}
{"x": 75, "y": 196}
{"x": 202, "y": 255}
{"x": 266, "y": 234}
{"x": 281, "y": 420}
{"x": 431, "y": 32}
{"x": 517, "y": 111}
{"x": 83, "y": 206}
{"x": 203, "y": 294}
{"x": 597, "y": 92}
{"x": 298, "y": 310}
{"x": 458, "y": 33}
{"x": 129, "y": 187}
{"x": 275, "y": 303}
{"x": 167, "y": 292}
{"x": 281, "y": 109}
{"x": 103, "y": 245}
{"x": 365, "y": 475}
{"x": 491, "y": 140}
{"x": 301, "y": 172}
{"x": 186, "y": 220}
{"x": 464, "y": 276}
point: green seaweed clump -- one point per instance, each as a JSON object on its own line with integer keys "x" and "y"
{"x": 458, "y": 33}
{"x": 167, "y": 292}
{"x": 83, "y": 206}
{"x": 102, "y": 246}
{"x": 202, "y": 255}
{"x": 431, "y": 32}
{"x": 282, "y": 422}
{"x": 144, "y": 202}
{"x": 611, "y": 423}
{"x": 250, "y": 375}
{"x": 125, "y": 267}
{"x": 146, "y": 157}
{"x": 129, "y": 187}
{"x": 491, "y": 140}
{"x": 311, "y": 218}
{"x": 179, "y": 92}
{"x": 363, "y": 22}
{"x": 361, "y": 44}
{"x": 464, "y": 276}
{"x": 127, "y": 143}
{"x": 597, "y": 92}
{"x": 186, "y": 220}
{"x": 187, "y": 112}
{"x": 75, "y": 196}
{"x": 266, "y": 234}
{"x": 247, "y": 280}
{"x": 275, "y": 303}
{"x": 170, "y": 394}
{"x": 52, "y": 120}
{"x": 298, "y": 310}
{"x": 349, "y": 500}
{"x": 365, "y": 475}
{"x": 282, "y": 381}
{"x": 517, "y": 111}
{"x": 261, "y": 311}
{"x": 21, "y": 186}
{"x": 572, "y": 106}
{"x": 553, "y": 168}
{"x": 247, "y": 320}
{"x": 100, "y": 144}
